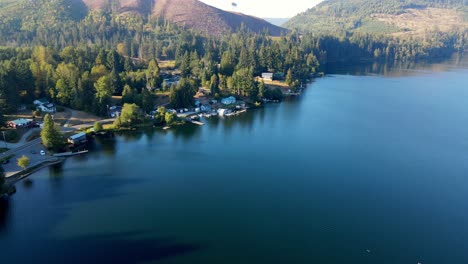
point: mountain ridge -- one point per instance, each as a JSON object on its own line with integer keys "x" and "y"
{"x": 192, "y": 14}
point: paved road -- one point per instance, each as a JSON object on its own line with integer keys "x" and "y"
{"x": 31, "y": 150}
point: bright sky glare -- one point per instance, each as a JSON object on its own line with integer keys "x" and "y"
{"x": 265, "y": 8}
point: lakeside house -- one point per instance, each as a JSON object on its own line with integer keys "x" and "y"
{"x": 268, "y": 76}
{"x": 20, "y": 123}
{"x": 228, "y": 100}
{"x": 45, "y": 106}
{"x": 77, "y": 138}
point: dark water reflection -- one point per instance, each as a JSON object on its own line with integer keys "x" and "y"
{"x": 115, "y": 248}
{"x": 396, "y": 69}
{"x": 4, "y": 215}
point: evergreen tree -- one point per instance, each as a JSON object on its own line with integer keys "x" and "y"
{"x": 289, "y": 77}
{"x": 261, "y": 90}
{"x": 50, "y": 134}
{"x": 153, "y": 79}
{"x": 182, "y": 95}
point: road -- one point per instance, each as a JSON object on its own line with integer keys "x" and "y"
{"x": 31, "y": 150}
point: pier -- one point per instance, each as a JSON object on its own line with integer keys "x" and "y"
{"x": 195, "y": 122}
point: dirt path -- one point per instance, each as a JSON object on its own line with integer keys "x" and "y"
{"x": 80, "y": 117}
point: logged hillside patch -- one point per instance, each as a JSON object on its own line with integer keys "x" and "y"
{"x": 418, "y": 21}
{"x": 412, "y": 18}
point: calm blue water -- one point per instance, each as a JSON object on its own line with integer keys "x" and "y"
{"x": 363, "y": 168}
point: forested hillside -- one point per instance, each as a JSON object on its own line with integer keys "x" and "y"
{"x": 398, "y": 17}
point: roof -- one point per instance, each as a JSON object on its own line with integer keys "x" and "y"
{"x": 77, "y": 136}
{"x": 49, "y": 105}
{"x": 42, "y": 100}
{"x": 21, "y": 121}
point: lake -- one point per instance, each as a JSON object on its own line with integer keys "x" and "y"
{"x": 369, "y": 165}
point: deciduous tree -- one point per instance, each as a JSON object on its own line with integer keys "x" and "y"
{"x": 97, "y": 126}
{"x": 23, "y": 162}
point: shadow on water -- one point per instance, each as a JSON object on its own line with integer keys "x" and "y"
{"x": 186, "y": 131}
{"x": 105, "y": 145}
{"x": 60, "y": 193}
{"x": 115, "y": 248}
{"x": 4, "y": 215}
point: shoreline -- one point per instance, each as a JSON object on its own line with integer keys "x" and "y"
{"x": 14, "y": 178}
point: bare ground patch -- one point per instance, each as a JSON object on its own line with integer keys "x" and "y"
{"x": 419, "y": 21}
{"x": 80, "y": 117}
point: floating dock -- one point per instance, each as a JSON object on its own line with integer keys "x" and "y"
{"x": 196, "y": 122}
{"x": 237, "y": 113}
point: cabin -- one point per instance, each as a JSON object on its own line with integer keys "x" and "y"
{"x": 268, "y": 76}
{"x": 20, "y": 123}
{"x": 228, "y": 100}
{"x": 77, "y": 138}
{"x": 47, "y": 108}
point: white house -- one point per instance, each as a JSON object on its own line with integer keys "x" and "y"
{"x": 47, "y": 108}
{"x": 228, "y": 100}
{"x": 267, "y": 76}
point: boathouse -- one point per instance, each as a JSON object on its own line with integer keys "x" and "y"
{"x": 77, "y": 138}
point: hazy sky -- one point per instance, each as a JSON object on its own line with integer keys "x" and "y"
{"x": 265, "y": 8}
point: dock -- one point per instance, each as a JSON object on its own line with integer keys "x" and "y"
{"x": 196, "y": 122}
{"x": 237, "y": 113}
